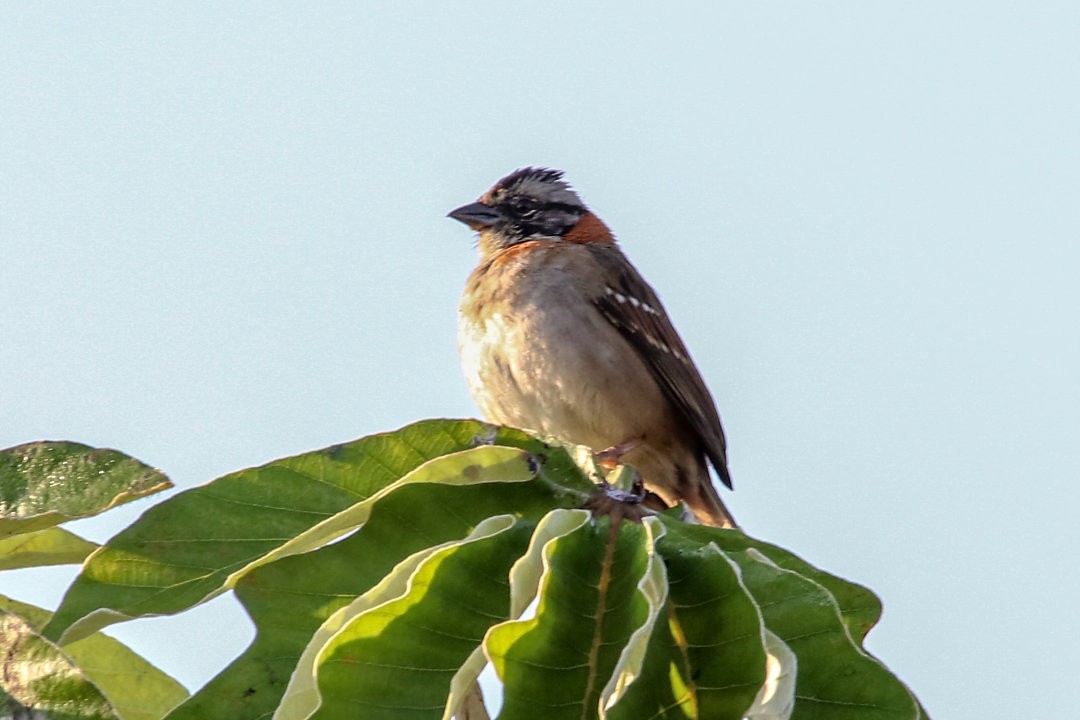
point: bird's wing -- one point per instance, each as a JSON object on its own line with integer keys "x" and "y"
{"x": 633, "y": 308}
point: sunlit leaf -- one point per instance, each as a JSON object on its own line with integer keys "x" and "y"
{"x": 51, "y": 546}
{"x": 557, "y": 663}
{"x": 426, "y": 625}
{"x": 289, "y": 599}
{"x": 383, "y": 574}
{"x": 198, "y": 543}
{"x": 46, "y": 483}
{"x": 776, "y": 699}
{"x": 101, "y": 671}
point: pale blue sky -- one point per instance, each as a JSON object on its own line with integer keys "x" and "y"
{"x": 223, "y": 241}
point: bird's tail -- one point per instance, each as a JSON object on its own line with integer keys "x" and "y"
{"x": 704, "y": 501}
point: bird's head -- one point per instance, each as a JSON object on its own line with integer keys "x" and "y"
{"x": 531, "y": 204}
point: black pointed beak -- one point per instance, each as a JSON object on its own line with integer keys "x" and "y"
{"x": 476, "y": 215}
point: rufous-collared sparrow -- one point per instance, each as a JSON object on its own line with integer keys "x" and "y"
{"x": 559, "y": 333}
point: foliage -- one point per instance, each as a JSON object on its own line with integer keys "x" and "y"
{"x": 384, "y": 574}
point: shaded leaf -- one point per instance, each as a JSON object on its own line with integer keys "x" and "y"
{"x": 707, "y": 658}
{"x": 836, "y": 679}
{"x": 859, "y": 607}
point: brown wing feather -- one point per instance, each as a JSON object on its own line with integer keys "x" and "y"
{"x": 634, "y": 308}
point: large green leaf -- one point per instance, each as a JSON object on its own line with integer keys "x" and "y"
{"x": 837, "y": 679}
{"x": 424, "y": 620}
{"x": 636, "y": 667}
{"x": 382, "y": 574}
{"x": 289, "y": 599}
{"x": 97, "y": 677}
{"x": 707, "y": 657}
{"x": 46, "y": 483}
{"x": 198, "y": 543}
{"x": 558, "y": 663}
{"x": 837, "y": 609}
{"x": 859, "y": 607}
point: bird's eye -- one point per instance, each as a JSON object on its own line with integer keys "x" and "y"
{"x": 524, "y": 206}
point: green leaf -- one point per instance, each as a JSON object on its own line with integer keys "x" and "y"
{"x": 526, "y": 574}
{"x": 558, "y": 663}
{"x": 198, "y": 543}
{"x": 302, "y": 697}
{"x": 837, "y": 679}
{"x": 43, "y": 484}
{"x": 289, "y": 599}
{"x": 382, "y": 574}
{"x": 51, "y": 546}
{"x": 423, "y": 622}
{"x": 859, "y": 607}
{"x": 35, "y": 673}
{"x": 98, "y": 674}
{"x": 707, "y": 658}
{"x": 632, "y": 673}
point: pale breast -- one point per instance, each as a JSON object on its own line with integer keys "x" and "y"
{"x": 538, "y": 354}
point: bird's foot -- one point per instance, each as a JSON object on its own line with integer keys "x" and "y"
{"x": 618, "y": 503}
{"x": 612, "y": 456}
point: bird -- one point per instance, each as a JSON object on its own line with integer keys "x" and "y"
{"x": 559, "y": 333}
